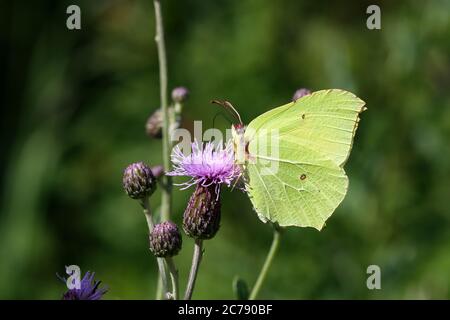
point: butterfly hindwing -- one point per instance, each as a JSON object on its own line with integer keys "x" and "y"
{"x": 299, "y": 188}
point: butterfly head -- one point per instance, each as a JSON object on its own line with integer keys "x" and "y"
{"x": 239, "y": 143}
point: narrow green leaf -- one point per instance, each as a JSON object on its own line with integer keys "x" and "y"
{"x": 240, "y": 289}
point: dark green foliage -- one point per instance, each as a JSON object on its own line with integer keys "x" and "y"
{"x": 240, "y": 289}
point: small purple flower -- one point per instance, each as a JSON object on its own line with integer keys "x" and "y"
{"x": 206, "y": 165}
{"x": 89, "y": 289}
{"x": 300, "y": 93}
{"x": 180, "y": 94}
{"x": 157, "y": 171}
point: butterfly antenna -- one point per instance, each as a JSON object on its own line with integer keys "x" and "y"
{"x": 229, "y": 107}
{"x": 238, "y": 179}
{"x": 236, "y": 182}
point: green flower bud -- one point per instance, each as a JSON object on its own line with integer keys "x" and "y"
{"x": 201, "y": 219}
{"x": 165, "y": 240}
{"x": 138, "y": 181}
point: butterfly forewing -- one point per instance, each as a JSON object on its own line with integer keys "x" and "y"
{"x": 324, "y": 121}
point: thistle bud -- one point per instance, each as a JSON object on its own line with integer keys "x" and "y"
{"x": 138, "y": 181}
{"x": 201, "y": 219}
{"x": 158, "y": 171}
{"x": 165, "y": 240}
{"x": 300, "y": 93}
{"x": 154, "y": 124}
{"x": 180, "y": 94}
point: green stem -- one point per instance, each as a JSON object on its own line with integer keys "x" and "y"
{"x": 174, "y": 277}
{"x": 263, "y": 273}
{"x": 166, "y": 194}
{"x": 196, "y": 259}
{"x": 166, "y": 200}
{"x": 159, "y": 289}
{"x": 160, "y": 261}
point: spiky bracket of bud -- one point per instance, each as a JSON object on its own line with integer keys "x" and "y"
{"x": 139, "y": 181}
{"x": 165, "y": 240}
{"x": 201, "y": 219}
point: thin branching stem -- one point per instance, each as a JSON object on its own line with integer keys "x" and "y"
{"x": 166, "y": 194}
{"x": 196, "y": 259}
{"x": 166, "y": 200}
{"x": 174, "y": 277}
{"x": 161, "y": 266}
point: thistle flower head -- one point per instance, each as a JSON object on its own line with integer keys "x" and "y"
{"x": 207, "y": 164}
{"x": 89, "y": 289}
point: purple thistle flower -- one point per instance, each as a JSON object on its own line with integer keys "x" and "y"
{"x": 89, "y": 289}
{"x": 206, "y": 165}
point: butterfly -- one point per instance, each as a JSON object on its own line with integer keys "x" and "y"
{"x": 292, "y": 157}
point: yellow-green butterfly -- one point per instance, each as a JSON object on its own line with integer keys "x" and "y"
{"x": 293, "y": 157}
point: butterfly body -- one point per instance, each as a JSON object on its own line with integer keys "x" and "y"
{"x": 292, "y": 157}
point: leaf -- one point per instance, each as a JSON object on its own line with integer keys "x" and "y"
{"x": 240, "y": 289}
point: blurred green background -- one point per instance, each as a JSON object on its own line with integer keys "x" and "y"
{"x": 74, "y": 106}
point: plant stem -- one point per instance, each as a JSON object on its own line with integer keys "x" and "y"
{"x": 174, "y": 277}
{"x": 159, "y": 289}
{"x": 160, "y": 261}
{"x": 166, "y": 200}
{"x": 263, "y": 273}
{"x": 196, "y": 259}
